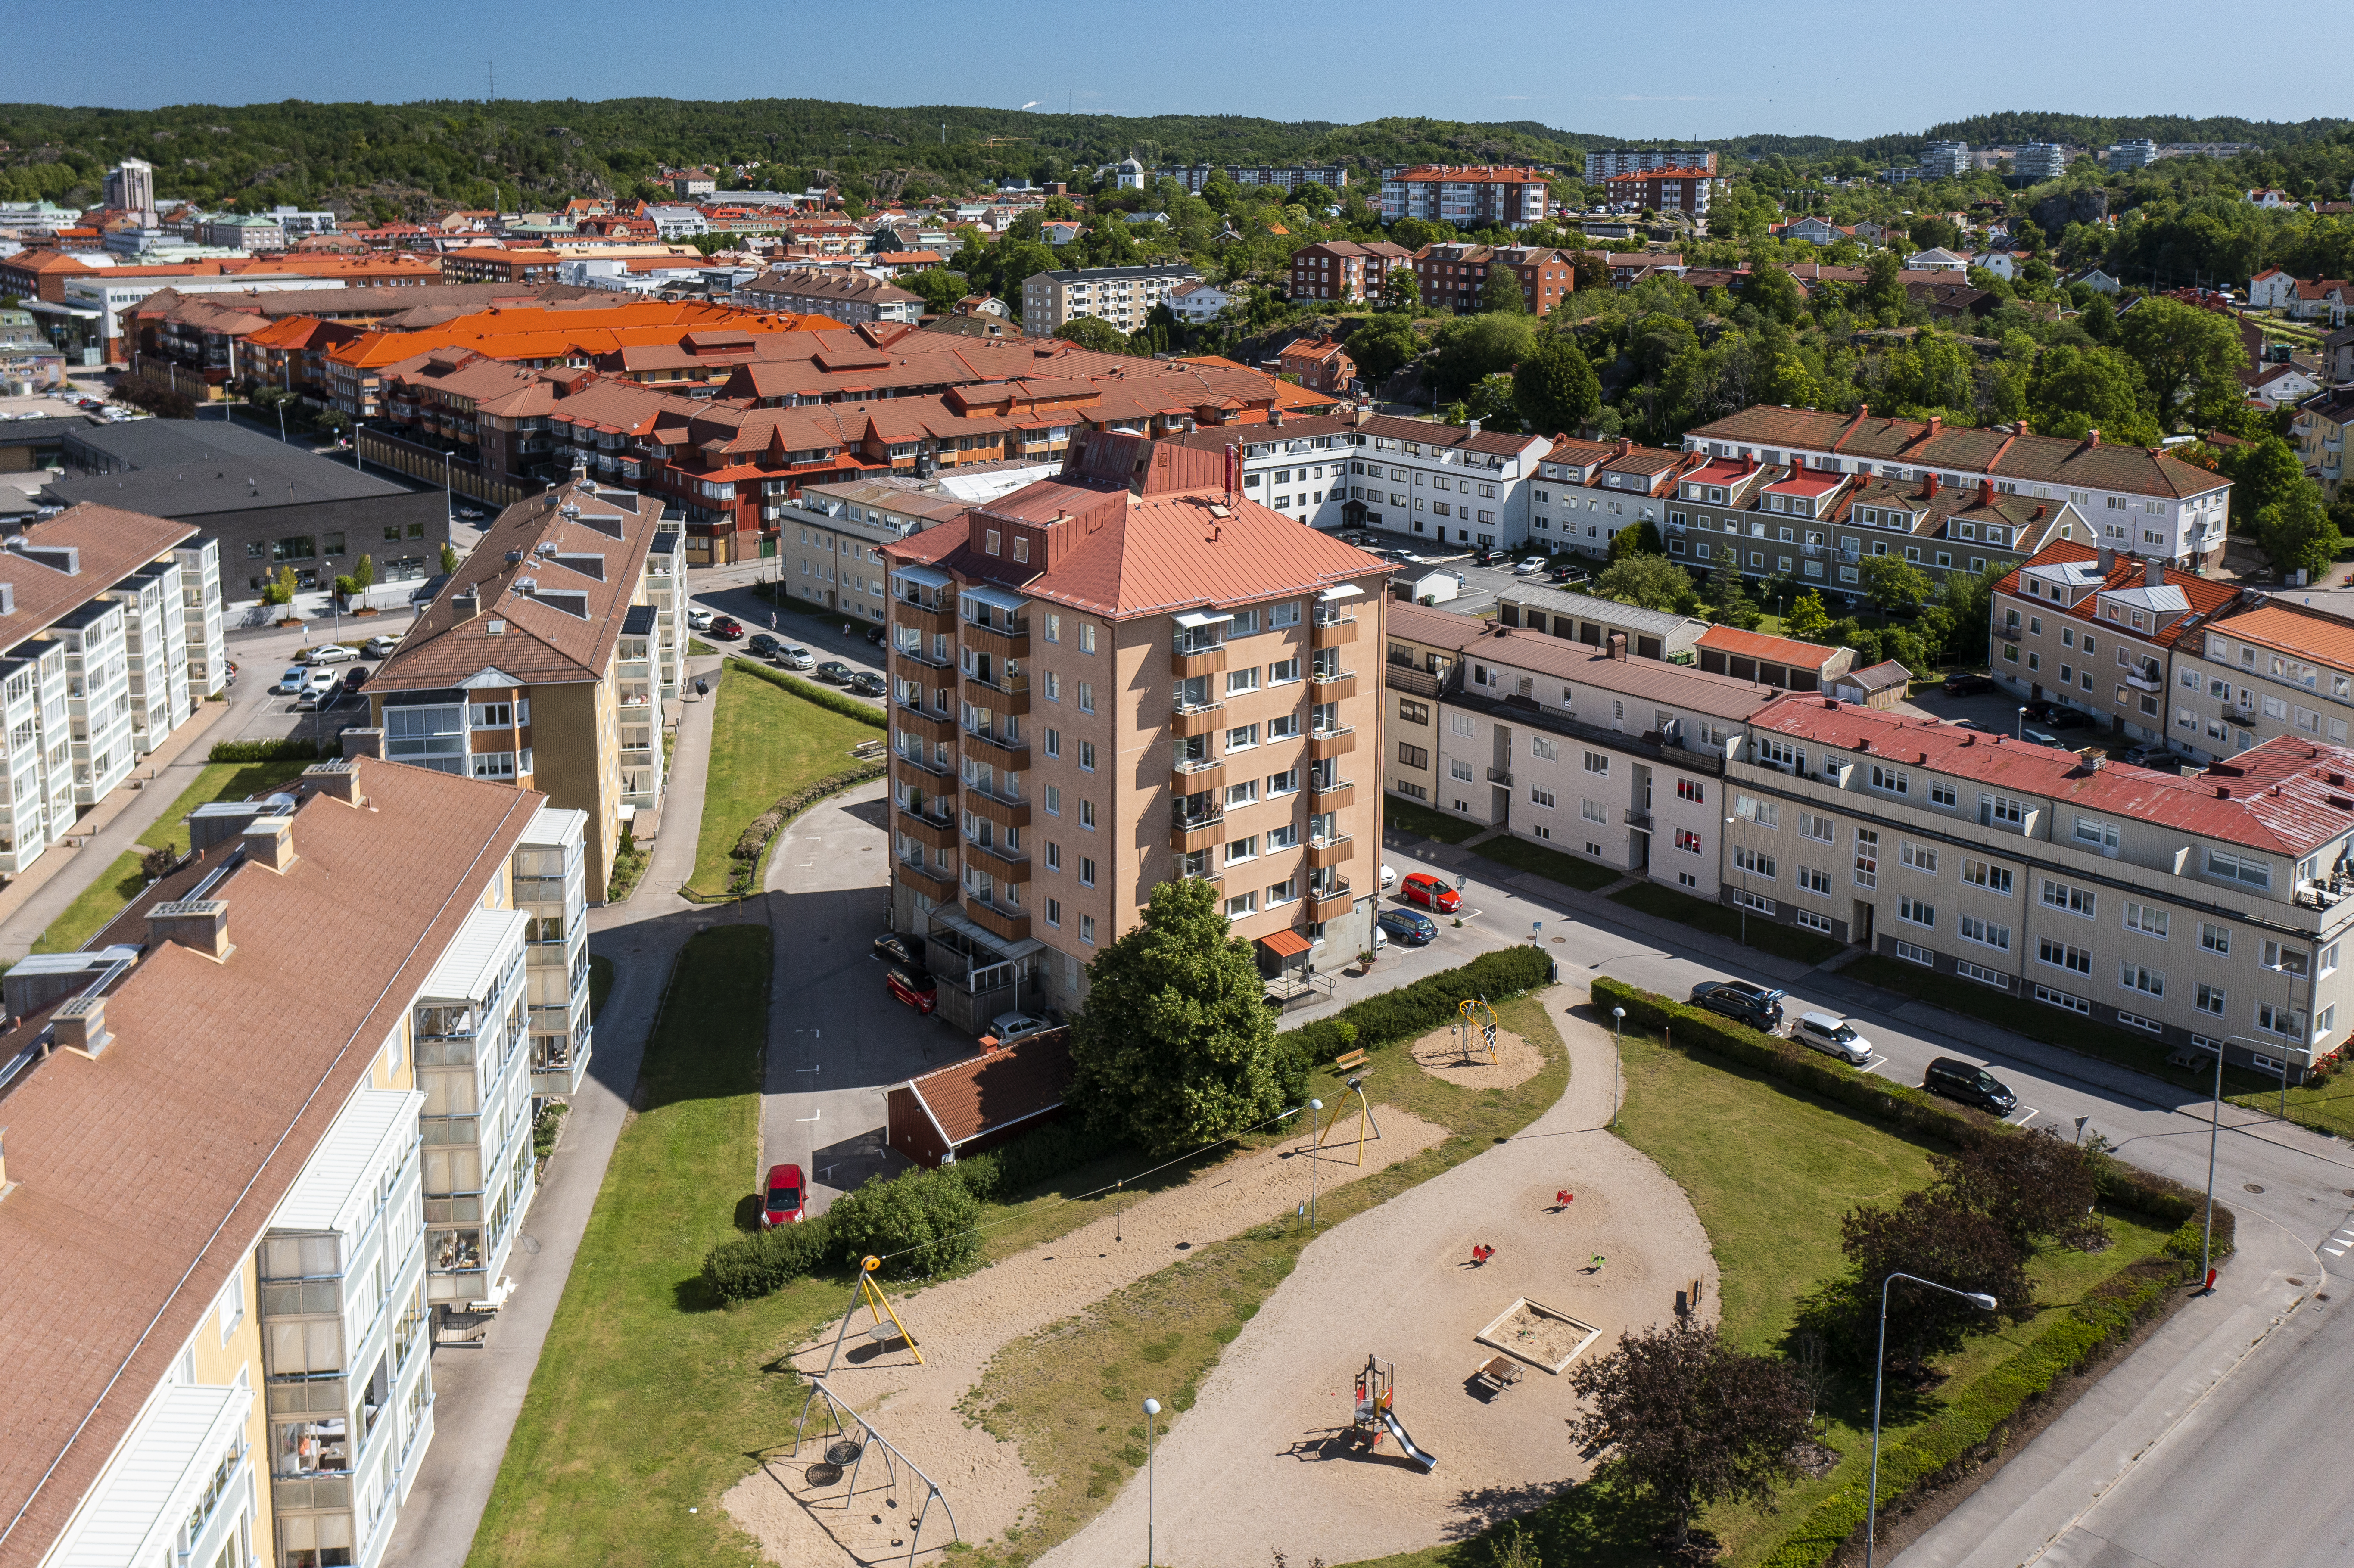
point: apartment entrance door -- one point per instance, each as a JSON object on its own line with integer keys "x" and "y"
{"x": 1859, "y": 929}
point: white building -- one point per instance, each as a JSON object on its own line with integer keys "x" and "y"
{"x": 1124, "y": 296}
{"x": 2039, "y": 160}
{"x": 1200, "y": 301}
{"x": 2137, "y": 154}
{"x": 1945, "y": 159}
{"x": 678, "y": 222}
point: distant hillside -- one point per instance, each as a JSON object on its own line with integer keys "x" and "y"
{"x": 387, "y": 160}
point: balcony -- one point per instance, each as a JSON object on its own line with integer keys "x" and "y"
{"x": 1640, "y": 819}
{"x": 1006, "y": 925}
{"x": 1500, "y": 775}
{"x": 938, "y": 777}
{"x": 1332, "y": 631}
{"x": 1188, "y": 774}
{"x": 923, "y": 616}
{"x": 1190, "y": 720}
{"x": 1333, "y": 686}
{"x": 937, "y": 885}
{"x": 2144, "y": 683}
{"x": 1189, "y": 658}
{"x": 1331, "y": 792}
{"x": 559, "y": 1069}
{"x": 932, "y": 832}
{"x": 917, "y": 721}
{"x": 1004, "y": 810}
{"x": 1329, "y": 903}
{"x": 914, "y": 661}
{"x": 1004, "y": 863}
{"x": 1009, "y": 751}
{"x": 1006, "y": 695}
{"x": 1193, "y": 835}
{"x": 1334, "y": 850}
{"x": 1008, "y": 638}
{"x": 1324, "y": 743}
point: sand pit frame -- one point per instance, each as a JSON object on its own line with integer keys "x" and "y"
{"x": 1512, "y": 1330}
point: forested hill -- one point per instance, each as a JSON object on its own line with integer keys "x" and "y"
{"x": 383, "y": 161}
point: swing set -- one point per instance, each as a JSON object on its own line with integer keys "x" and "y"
{"x": 1364, "y": 1121}
{"x": 1475, "y": 1014}
{"x": 870, "y": 1295}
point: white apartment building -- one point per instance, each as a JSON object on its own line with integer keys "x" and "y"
{"x": 2271, "y": 669}
{"x": 2039, "y": 160}
{"x": 1122, "y": 296}
{"x": 1615, "y": 759}
{"x": 2208, "y": 912}
{"x": 2152, "y": 503}
{"x": 1585, "y": 491}
{"x": 1603, "y": 163}
{"x": 254, "y": 1384}
{"x": 96, "y": 663}
{"x": 1945, "y": 159}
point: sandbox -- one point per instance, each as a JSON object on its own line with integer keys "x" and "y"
{"x": 1529, "y": 1331}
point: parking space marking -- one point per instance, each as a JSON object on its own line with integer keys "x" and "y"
{"x": 2335, "y": 1251}
{"x": 1873, "y": 1065}
{"x": 2026, "y": 1117}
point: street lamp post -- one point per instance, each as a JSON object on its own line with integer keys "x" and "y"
{"x": 1618, "y": 1037}
{"x": 1151, "y": 1411}
{"x": 1977, "y": 1299}
{"x": 1315, "y": 1109}
{"x": 2018, "y": 726}
{"x": 1746, "y": 812}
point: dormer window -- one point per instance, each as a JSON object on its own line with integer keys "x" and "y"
{"x": 989, "y": 541}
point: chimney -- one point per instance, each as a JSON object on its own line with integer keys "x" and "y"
{"x": 340, "y": 778}
{"x": 1863, "y": 410}
{"x": 81, "y": 1026}
{"x": 1274, "y": 418}
{"x": 1624, "y": 446}
{"x": 1937, "y": 423}
{"x": 199, "y": 925}
{"x": 2153, "y": 576}
{"x": 2037, "y": 518}
{"x": 2107, "y": 561}
{"x": 1930, "y": 480}
{"x": 2091, "y": 758}
{"x": 2093, "y": 438}
{"x": 271, "y": 842}
{"x": 1986, "y": 493}
{"x": 1618, "y": 645}
{"x": 1475, "y": 427}
{"x": 364, "y": 743}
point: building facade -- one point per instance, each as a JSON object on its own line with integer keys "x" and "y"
{"x": 1455, "y": 276}
{"x": 1333, "y": 177}
{"x": 1683, "y": 190}
{"x": 1122, "y": 296}
{"x": 1114, "y": 679}
{"x": 1471, "y": 196}
{"x": 1344, "y": 268}
{"x": 1603, "y": 163}
{"x": 2259, "y": 671}
{"x": 845, "y": 294}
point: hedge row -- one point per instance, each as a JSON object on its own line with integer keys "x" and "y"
{"x": 263, "y": 751}
{"x": 1413, "y": 1010}
{"x": 811, "y": 692}
{"x": 762, "y": 828}
{"x": 1972, "y": 1415}
{"x": 1910, "y": 1110}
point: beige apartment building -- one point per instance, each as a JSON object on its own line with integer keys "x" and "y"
{"x": 546, "y": 659}
{"x": 1421, "y": 647}
{"x": 252, "y": 1381}
{"x": 1124, "y": 296}
{"x": 2279, "y": 668}
{"x": 2207, "y": 911}
{"x": 1116, "y": 678}
{"x": 830, "y": 542}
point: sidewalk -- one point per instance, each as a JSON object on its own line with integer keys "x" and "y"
{"x": 48, "y": 887}
{"x": 479, "y": 1392}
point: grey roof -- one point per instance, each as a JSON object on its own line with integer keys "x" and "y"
{"x": 41, "y": 432}
{"x": 195, "y": 468}
{"x": 1677, "y": 631}
{"x": 1114, "y": 274}
{"x": 2161, "y": 600}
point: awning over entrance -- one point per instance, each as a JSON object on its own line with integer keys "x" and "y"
{"x": 1285, "y": 946}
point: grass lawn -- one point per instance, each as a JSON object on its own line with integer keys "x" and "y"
{"x": 766, "y": 743}
{"x": 2326, "y": 1107}
{"x": 1771, "y": 1201}
{"x": 1567, "y": 869}
{"x": 1406, "y": 817}
{"x": 1076, "y": 1417}
{"x": 120, "y": 883}
{"x": 1767, "y": 936}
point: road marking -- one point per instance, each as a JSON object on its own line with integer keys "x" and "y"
{"x": 2335, "y": 1251}
{"x": 813, "y": 1115}
{"x": 2023, "y": 1121}
{"x": 1873, "y": 1065}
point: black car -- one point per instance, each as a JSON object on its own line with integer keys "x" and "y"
{"x": 762, "y": 645}
{"x": 867, "y": 684}
{"x": 1569, "y": 574}
{"x": 898, "y": 947}
{"x": 1758, "y": 1006}
{"x": 834, "y": 672}
{"x": 875, "y": 635}
{"x": 355, "y": 677}
{"x": 2068, "y": 718}
{"x": 1967, "y": 685}
{"x": 1970, "y": 1084}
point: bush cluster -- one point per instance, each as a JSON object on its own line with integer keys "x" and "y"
{"x": 263, "y": 751}
{"x": 1413, "y": 1010}
{"x": 811, "y": 692}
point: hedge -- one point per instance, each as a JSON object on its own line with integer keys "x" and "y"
{"x": 1975, "y": 1413}
{"x": 1413, "y": 1010}
{"x": 756, "y": 1265}
{"x": 762, "y": 828}
{"x": 811, "y": 692}
{"x": 263, "y": 751}
{"x": 1910, "y": 1110}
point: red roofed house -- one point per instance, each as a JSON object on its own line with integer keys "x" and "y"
{"x": 973, "y": 1106}
{"x": 1783, "y": 661}
{"x": 2203, "y": 912}
{"x": 1319, "y": 363}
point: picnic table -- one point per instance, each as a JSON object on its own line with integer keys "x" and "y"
{"x": 1498, "y": 1373}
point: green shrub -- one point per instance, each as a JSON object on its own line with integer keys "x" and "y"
{"x": 1413, "y": 1010}
{"x": 919, "y": 1223}
{"x": 263, "y": 751}
{"x": 1036, "y": 1156}
{"x": 756, "y": 1266}
{"x": 811, "y": 692}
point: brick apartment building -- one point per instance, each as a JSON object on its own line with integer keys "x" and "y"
{"x": 1455, "y": 276}
{"x": 1683, "y": 190}
{"x": 1344, "y": 270}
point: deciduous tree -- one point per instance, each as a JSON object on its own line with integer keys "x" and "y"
{"x": 1499, "y": 291}
{"x": 2035, "y": 1187}
{"x": 1689, "y": 1420}
{"x": 2184, "y": 353}
{"x": 1400, "y": 291}
{"x": 1637, "y": 539}
{"x": 1555, "y": 385}
{"x": 1931, "y": 1233}
{"x": 1897, "y": 587}
{"x": 1095, "y": 332}
{"x": 1173, "y": 1047}
{"x": 1808, "y": 620}
{"x": 2297, "y": 532}
{"x": 1650, "y": 580}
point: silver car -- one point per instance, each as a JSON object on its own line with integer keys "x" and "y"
{"x": 1833, "y": 1037}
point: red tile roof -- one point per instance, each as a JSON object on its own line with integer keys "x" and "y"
{"x": 1790, "y": 650}
{"x": 991, "y": 1092}
{"x": 2207, "y": 597}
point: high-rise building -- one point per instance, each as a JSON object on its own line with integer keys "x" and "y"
{"x": 2039, "y": 160}
{"x": 131, "y": 187}
{"x": 1602, "y": 163}
{"x": 1127, "y": 676}
{"x": 2136, "y": 155}
{"x": 1945, "y": 159}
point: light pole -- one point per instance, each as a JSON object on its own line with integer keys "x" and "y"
{"x": 2018, "y": 726}
{"x": 1151, "y": 1410}
{"x": 1977, "y": 1299}
{"x": 1618, "y": 1037}
{"x": 1314, "y": 1108}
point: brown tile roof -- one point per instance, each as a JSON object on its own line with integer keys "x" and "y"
{"x": 108, "y": 546}
{"x": 991, "y": 1091}
{"x": 2206, "y": 598}
{"x": 540, "y": 643}
{"x": 1408, "y": 623}
{"x": 1654, "y": 680}
{"x": 220, "y": 1081}
{"x": 2294, "y": 629}
{"x": 1788, "y": 650}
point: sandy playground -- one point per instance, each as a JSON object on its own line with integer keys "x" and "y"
{"x": 1396, "y": 1282}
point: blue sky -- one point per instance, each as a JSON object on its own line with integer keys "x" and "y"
{"x": 1697, "y": 68}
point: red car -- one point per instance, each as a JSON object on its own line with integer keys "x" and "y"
{"x": 725, "y": 629}
{"x": 785, "y": 1197}
{"x": 913, "y": 986}
{"x": 1430, "y": 893}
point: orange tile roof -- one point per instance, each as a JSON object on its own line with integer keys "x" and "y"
{"x": 531, "y": 332}
{"x": 991, "y": 1092}
{"x": 1743, "y": 644}
{"x": 2293, "y": 629}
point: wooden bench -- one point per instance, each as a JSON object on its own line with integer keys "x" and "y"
{"x": 1348, "y": 1061}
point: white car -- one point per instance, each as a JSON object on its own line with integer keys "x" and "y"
{"x": 327, "y": 653}
{"x": 1534, "y": 564}
{"x": 381, "y": 647}
{"x": 1833, "y": 1036}
{"x": 320, "y": 688}
{"x": 1389, "y": 877}
{"x": 1012, "y": 1028}
{"x": 792, "y": 656}
{"x": 698, "y": 620}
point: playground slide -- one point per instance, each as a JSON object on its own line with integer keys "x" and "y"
{"x": 1427, "y": 1461}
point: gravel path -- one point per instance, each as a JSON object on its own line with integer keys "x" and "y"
{"x": 1256, "y": 1466}
{"x": 962, "y": 1323}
